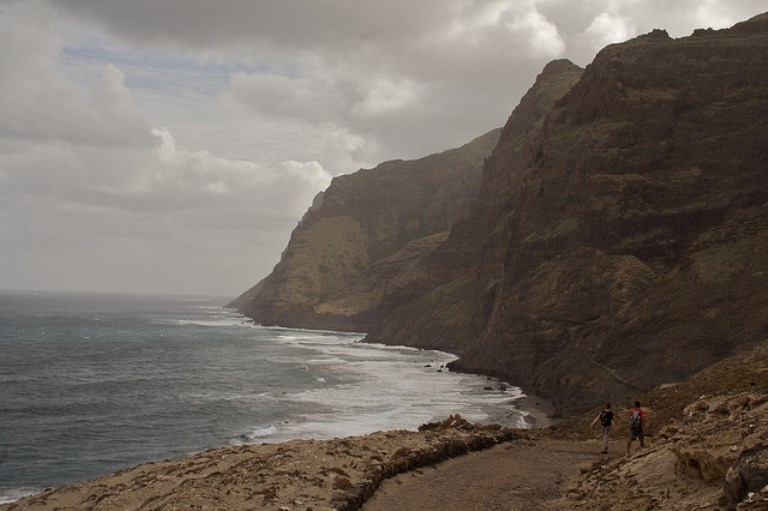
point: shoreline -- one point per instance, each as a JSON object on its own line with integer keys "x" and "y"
{"x": 485, "y": 407}
{"x": 534, "y": 413}
{"x": 537, "y": 415}
{"x": 538, "y": 411}
{"x": 341, "y": 473}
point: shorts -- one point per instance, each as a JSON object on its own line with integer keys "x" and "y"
{"x": 636, "y": 433}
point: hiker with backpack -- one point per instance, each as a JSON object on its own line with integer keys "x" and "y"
{"x": 636, "y": 425}
{"x": 605, "y": 418}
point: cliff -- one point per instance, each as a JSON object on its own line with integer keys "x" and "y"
{"x": 623, "y": 234}
{"x": 618, "y": 238}
{"x": 443, "y": 309}
{"x": 364, "y": 237}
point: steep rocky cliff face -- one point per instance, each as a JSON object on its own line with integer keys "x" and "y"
{"x": 364, "y": 237}
{"x": 624, "y": 235}
{"x": 440, "y": 310}
{"x": 619, "y": 238}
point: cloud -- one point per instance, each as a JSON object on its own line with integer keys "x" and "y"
{"x": 134, "y": 209}
{"x": 168, "y": 145}
{"x": 607, "y": 28}
{"x": 39, "y": 102}
{"x": 197, "y": 180}
{"x": 346, "y": 63}
{"x": 337, "y": 100}
{"x": 283, "y": 96}
{"x": 542, "y": 36}
{"x": 91, "y": 197}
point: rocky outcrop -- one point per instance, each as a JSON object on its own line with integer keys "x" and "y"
{"x": 748, "y": 476}
{"x": 714, "y": 457}
{"x": 704, "y": 444}
{"x": 366, "y": 236}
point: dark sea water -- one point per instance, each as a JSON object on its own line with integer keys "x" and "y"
{"x": 94, "y": 383}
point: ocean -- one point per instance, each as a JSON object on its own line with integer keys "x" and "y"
{"x": 94, "y": 383}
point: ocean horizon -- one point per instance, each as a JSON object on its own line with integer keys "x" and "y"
{"x": 92, "y": 383}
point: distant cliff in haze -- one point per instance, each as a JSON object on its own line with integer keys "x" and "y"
{"x": 365, "y": 237}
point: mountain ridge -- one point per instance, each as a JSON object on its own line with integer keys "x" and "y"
{"x": 617, "y": 238}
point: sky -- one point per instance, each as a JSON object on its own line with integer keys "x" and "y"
{"x": 171, "y": 146}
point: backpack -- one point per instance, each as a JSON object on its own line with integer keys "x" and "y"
{"x": 606, "y": 417}
{"x": 636, "y": 419}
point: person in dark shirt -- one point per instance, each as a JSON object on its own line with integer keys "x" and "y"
{"x": 606, "y": 419}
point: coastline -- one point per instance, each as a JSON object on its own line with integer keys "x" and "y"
{"x": 298, "y": 474}
{"x": 429, "y": 408}
{"x": 471, "y": 466}
{"x": 538, "y": 411}
{"x": 534, "y": 413}
{"x": 385, "y": 454}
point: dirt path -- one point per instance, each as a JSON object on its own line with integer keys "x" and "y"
{"x": 507, "y": 477}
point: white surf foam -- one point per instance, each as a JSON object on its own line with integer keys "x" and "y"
{"x": 371, "y": 387}
{"x": 260, "y": 433}
{"x": 221, "y": 322}
{"x": 8, "y": 495}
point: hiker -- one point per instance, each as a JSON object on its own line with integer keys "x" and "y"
{"x": 636, "y": 424}
{"x": 606, "y": 418}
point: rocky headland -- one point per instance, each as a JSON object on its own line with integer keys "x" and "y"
{"x": 615, "y": 238}
{"x": 365, "y": 237}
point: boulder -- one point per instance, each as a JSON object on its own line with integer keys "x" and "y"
{"x": 748, "y": 475}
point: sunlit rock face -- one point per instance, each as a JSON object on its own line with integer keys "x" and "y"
{"x": 366, "y": 238}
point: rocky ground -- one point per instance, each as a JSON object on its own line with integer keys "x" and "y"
{"x": 715, "y": 457}
{"x": 296, "y": 475}
{"x": 707, "y": 449}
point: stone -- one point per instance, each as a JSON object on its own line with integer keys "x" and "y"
{"x": 748, "y": 475}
